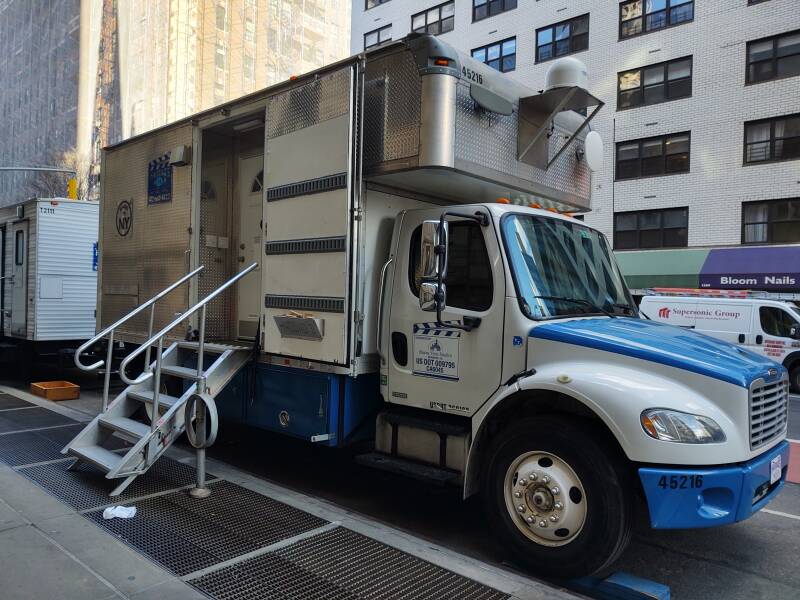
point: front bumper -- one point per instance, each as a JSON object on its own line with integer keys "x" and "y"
{"x": 691, "y": 497}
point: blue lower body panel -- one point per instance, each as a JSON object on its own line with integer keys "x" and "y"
{"x": 686, "y": 498}
{"x": 327, "y": 408}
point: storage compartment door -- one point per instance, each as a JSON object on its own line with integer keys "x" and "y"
{"x": 308, "y": 219}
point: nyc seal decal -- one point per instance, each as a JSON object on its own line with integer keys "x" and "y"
{"x": 436, "y": 351}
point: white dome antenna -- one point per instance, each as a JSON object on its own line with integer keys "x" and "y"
{"x": 566, "y": 72}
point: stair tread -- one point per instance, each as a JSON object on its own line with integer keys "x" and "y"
{"x": 182, "y": 372}
{"x": 147, "y": 396}
{"x": 212, "y": 346}
{"x": 97, "y": 455}
{"x": 126, "y": 425}
{"x": 409, "y": 468}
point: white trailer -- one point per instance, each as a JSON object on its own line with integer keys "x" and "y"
{"x": 373, "y": 251}
{"x": 49, "y": 263}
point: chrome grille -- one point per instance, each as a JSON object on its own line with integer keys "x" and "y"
{"x": 769, "y": 407}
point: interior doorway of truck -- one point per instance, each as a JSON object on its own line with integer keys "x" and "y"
{"x": 19, "y": 269}
{"x": 232, "y": 174}
{"x": 251, "y": 185}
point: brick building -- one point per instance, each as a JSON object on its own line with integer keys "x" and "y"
{"x": 702, "y": 118}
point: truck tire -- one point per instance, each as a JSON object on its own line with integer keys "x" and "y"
{"x": 557, "y": 498}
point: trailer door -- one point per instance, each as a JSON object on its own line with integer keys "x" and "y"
{"x": 440, "y": 368}
{"x": 19, "y": 296}
{"x": 251, "y": 178}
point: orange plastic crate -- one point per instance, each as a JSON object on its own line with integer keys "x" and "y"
{"x": 56, "y": 390}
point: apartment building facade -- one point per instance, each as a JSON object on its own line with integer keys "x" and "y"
{"x": 701, "y": 125}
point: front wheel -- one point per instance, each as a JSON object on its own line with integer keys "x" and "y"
{"x": 556, "y": 498}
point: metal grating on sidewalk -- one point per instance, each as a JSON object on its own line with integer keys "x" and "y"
{"x": 88, "y": 488}
{"x": 185, "y": 534}
{"x": 340, "y": 564}
{"x": 31, "y": 418}
{"x": 8, "y": 401}
{"x": 28, "y": 447}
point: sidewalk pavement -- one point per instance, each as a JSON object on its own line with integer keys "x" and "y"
{"x": 50, "y": 550}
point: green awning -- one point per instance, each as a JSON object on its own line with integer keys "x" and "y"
{"x": 662, "y": 268}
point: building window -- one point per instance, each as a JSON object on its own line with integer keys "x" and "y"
{"x": 643, "y": 16}
{"x": 469, "y": 270}
{"x": 649, "y": 157}
{"x": 562, "y": 38}
{"x": 248, "y": 67}
{"x": 501, "y": 56}
{"x": 771, "y": 222}
{"x": 220, "y": 17}
{"x": 436, "y": 20}
{"x": 772, "y": 139}
{"x": 373, "y": 3}
{"x": 655, "y": 83}
{"x": 666, "y": 228}
{"x": 19, "y": 247}
{"x": 774, "y": 57}
{"x": 377, "y": 37}
{"x": 483, "y": 9}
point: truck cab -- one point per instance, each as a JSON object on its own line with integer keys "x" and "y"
{"x": 513, "y": 356}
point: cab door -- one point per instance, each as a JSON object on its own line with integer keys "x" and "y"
{"x": 440, "y": 368}
{"x": 772, "y": 329}
{"x": 19, "y": 296}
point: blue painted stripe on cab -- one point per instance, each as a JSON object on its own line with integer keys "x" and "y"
{"x": 663, "y": 344}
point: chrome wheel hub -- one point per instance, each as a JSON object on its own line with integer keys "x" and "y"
{"x": 545, "y": 498}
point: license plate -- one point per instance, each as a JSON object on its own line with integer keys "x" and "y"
{"x": 775, "y": 466}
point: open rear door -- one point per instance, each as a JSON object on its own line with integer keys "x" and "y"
{"x": 309, "y": 181}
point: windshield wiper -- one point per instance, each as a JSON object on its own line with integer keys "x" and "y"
{"x": 581, "y": 301}
{"x": 621, "y": 306}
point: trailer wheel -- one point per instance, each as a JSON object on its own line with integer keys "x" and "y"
{"x": 556, "y": 498}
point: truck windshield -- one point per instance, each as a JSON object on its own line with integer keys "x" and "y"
{"x": 562, "y": 268}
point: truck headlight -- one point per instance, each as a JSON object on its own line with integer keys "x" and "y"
{"x": 674, "y": 426}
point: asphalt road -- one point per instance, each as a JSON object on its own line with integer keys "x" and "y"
{"x": 755, "y": 559}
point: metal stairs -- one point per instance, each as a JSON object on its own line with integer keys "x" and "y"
{"x": 195, "y": 371}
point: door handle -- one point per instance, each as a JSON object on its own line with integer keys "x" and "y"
{"x": 380, "y": 307}
{"x": 741, "y": 338}
{"x": 759, "y": 339}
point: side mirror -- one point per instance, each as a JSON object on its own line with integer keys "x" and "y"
{"x": 794, "y": 332}
{"x": 430, "y": 295}
{"x": 433, "y": 251}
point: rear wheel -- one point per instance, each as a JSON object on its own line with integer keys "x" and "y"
{"x": 556, "y": 498}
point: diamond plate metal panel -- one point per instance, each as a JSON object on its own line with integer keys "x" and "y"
{"x": 317, "y": 101}
{"x": 87, "y": 487}
{"x": 341, "y": 564}
{"x": 392, "y": 96}
{"x": 31, "y": 418}
{"x": 8, "y": 401}
{"x": 185, "y": 534}
{"x": 490, "y": 140}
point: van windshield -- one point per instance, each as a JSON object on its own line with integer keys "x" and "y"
{"x": 562, "y": 268}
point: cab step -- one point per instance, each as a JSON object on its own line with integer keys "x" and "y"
{"x": 408, "y": 468}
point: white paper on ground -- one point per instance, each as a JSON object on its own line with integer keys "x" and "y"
{"x": 120, "y": 512}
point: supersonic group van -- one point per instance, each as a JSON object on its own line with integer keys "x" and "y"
{"x": 769, "y": 327}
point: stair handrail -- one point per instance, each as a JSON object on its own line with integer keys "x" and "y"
{"x": 151, "y": 303}
{"x": 158, "y": 338}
